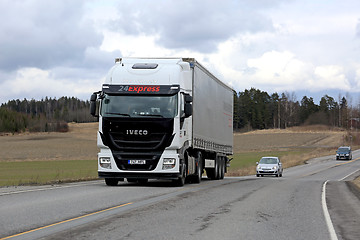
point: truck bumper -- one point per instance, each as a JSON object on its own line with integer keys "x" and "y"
{"x": 158, "y": 173}
{"x": 167, "y": 176}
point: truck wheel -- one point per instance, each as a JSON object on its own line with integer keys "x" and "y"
{"x": 111, "y": 181}
{"x": 181, "y": 180}
{"x": 199, "y": 169}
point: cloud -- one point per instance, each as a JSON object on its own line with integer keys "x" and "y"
{"x": 37, "y": 83}
{"x": 43, "y": 34}
{"x": 78, "y": 80}
{"x": 282, "y": 71}
{"x": 331, "y": 76}
{"x": 66, "y": 47}
{"x": 357, "y": 76}
{"x": 196, "y": 25}
{"x": 357, "y": 33}
{"x": 50, "y": 49}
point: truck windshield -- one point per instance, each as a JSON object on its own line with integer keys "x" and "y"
{"x": 139, "y": 106}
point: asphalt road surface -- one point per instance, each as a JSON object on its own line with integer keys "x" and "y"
{"x": 312, "y": 201}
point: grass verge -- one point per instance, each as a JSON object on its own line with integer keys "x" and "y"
{"x": 45, "y": 172}
{"x": 357, "y": 182}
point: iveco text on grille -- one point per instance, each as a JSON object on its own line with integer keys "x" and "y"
{"x": 136, "y": 132}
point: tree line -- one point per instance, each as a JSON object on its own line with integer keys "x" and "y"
{"x": 253, "y": 109}
{"x": 256, "y": 109}
{"x": 46, "y": 115}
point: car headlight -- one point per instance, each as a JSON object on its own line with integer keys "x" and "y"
{"x": 258, "y": 167}
{"x": 275, "y": 167}
{"x": 168, "y": 163}
{"x": 105, "y": 162}
{"x": 347, "y": 154}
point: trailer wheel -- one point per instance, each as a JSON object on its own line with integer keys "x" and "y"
{"x": 213, "y": 173}
{"x": 111, "y": 181}
{"x": 222, "y": 168}
{"x": 218, "y": 168}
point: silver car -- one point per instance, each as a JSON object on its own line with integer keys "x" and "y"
{"x": 269, "y": 166}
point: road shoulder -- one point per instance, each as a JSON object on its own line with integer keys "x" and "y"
{"x": 343, "y": 199}
{"x": 356, "y": 184}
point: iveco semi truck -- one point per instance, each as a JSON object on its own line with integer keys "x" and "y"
{"x": 163, "y": 118}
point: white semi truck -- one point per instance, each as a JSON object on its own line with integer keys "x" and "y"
{"x": 162, "y": 119}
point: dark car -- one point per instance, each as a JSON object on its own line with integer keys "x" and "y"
{"x": 344, "y": 153}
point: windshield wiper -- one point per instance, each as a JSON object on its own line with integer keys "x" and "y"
{"x": 121, "y": 114}
{"x": 150, "y": 115}
{"x": 155, "y": 115}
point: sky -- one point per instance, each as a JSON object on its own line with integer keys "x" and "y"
{"x": 66, "y": 47}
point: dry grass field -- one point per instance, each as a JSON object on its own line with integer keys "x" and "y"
{"x": 295, "y": 144}
{"x": 77, "y": 144}
{"x": 282, "y": 139}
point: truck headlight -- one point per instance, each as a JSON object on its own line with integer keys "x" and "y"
{"x": 168, "y": 163}
{"x": 105, "y": 162}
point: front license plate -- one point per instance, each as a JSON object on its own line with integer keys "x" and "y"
{"x": 136, "y": 162}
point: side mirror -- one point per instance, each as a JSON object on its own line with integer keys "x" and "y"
{"x": 93, "y": 104}
{"x": 257, "y": 163}
{"x": 188, "y": 106}
{"x": 93, "y": 97}
{"x": 188, "y": 110}
{"x": 188, "y": 98}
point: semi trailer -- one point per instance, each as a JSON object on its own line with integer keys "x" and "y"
{"x": 162, "y": 118}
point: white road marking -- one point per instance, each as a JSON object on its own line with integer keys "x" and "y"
{"x": 348, "y": 175}
{"x": 48, "y": 188}
{"x": 326, "y": 214}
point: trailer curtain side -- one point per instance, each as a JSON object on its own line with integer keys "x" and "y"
{"x": 212, "y": 112}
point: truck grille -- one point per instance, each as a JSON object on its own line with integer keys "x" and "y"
{"x": 149, "y": 142}
{"x": 137, "y": 139}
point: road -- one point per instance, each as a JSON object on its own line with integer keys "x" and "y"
{"x": 312, "y": 201}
